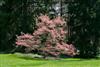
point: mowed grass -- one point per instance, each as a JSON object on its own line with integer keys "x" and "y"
{"x": 11, "y": 60}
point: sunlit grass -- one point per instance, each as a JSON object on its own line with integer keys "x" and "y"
{"x": 10, "y": 60}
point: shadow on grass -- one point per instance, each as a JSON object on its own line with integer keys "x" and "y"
{"x": 56, "y": 60}
{"x": 28, "y": 58}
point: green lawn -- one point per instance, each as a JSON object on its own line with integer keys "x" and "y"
{"x": 9, "y": 60}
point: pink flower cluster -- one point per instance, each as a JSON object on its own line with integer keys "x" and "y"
{"x": 53, "y": 30}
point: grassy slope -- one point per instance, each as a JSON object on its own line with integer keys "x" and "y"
{"x": 8, "y": 60}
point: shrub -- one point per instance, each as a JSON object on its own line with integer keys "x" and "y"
{"x": 49, "y": 38}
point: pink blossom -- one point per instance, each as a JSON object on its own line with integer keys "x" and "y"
{"x": 54, "y": 53}
{"x": 49, "y": 22}
{"x": 43, "y": 18}
{"x": 60, "y": 46}
{"x": 65, "y": 45}
{"x": 26, "y": 36}
{"x": 62, "y": 31}
{"x": 22, "y": 43}
{"x": 44, "y": 28}
{"x": 58, "y": 20}
{"x": 40, "y": 25}
{"x": 36, "y": 33}
{"x": 55, "y": 35}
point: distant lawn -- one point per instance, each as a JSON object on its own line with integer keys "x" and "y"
{"x": 10, "y": 60}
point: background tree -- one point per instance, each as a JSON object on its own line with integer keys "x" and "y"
{"x": 14, "y": 18}
{"x": 18, "y": 16}
{"x": 84, "y": 26}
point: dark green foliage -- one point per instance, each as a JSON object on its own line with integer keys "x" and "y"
{"x": 18, "y": 16}
{"x": 14, "y": 19}
{"x": 84, "y": 26}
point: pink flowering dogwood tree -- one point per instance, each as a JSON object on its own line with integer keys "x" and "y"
{"x": 48, "y": 38}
